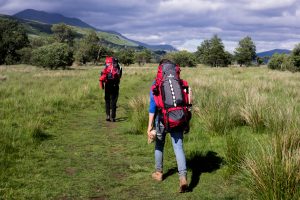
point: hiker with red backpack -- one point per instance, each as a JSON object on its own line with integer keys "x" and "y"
{"x": 169, "y": 111}
{"x": 109, "y": 81}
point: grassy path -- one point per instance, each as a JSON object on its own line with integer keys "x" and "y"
{"x": 89, "y": 158}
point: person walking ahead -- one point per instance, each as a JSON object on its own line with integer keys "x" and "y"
{"x": 109, "y": 81}
{"x": 169, "y": 112}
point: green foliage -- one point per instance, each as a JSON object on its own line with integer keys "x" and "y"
{"x": 296, "y": 57}
{"x": 25, "y": 55}
{"x": 63, "y": 33}
{"x": 36, "y": 42}
{"x": 211, "y": 52}
{"x": 259, "y": 61}
{"x": 142, "y": 57}
{"x": 125, "y": 56}
{"x": 53, "y": 56}
{"x": 281, "y": 62}
{"x": 245, "y": 53}
{"x": 87, "y": 48}
{"x": 182, "y": 58}
{"x": 286, "y": 62}
{"x": 12, "y": 38}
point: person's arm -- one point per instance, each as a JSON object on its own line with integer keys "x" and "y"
{"x": 102, "y": 78}
{"x": 152, "y": 109}
{"x": 150, "y": 124}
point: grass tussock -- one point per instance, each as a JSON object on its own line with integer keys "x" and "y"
{"x": 254, "y": 109}
{"x": 273, "y": 172}
{"x": 138, "y": 108}
{"x": 235, "y": 153}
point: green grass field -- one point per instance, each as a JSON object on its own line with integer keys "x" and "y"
{"x": 244, "y": 141}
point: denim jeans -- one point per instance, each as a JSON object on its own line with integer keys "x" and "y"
{"x": 177, "y": 142}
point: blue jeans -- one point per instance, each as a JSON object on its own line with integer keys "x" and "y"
{"x": 177, "y": 142}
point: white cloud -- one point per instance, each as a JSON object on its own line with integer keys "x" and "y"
{"x": 145, "y": 38}
{"x": 189, "y": 6}
{"x": 268, "y": 4}
{"x": 189, "y": 45}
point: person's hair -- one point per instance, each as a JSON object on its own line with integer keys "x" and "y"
{"x": 164, "y": 60}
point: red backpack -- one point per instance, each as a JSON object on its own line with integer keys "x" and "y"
{"x": 112, "y": 71}
{"x": 171, "y": 95}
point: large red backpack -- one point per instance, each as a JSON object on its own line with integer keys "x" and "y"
{"x": 171, "y": 95}
{"x": 112, "y": 71}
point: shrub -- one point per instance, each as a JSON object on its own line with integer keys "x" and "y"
{"x": 182, "y": 58}
{"x": 125, "y": 56}
{"x": 53, "y": 56}
{"x": 26, "y": 54}
{"x": 281, "y": 62}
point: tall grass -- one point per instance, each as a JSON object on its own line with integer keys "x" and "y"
{"x": 33, "y": 100}
{"x": 253, "y": 109}
{"x": 273, "y": 172}
{"x": 235, "y": 153}
{"x": 138, "y": 111}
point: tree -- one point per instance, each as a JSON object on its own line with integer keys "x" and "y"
{"x": 88, "y": 48}
{"x": 203, "y": 52}
{"x": 12, "y": 38}
{"x": 53, "y": 56}
{"x": 296, "y": 57}
{"x": 125, "y": 56}
{"x": 245, "y": 53}
{"x": 63, "y": 33}
{"x": 281, "y": 62}
{"x": 211, "y": 52}
{"x": 143, "y": 56}
{"x": 182, "y": 58}
{"x": 259, "y": 61}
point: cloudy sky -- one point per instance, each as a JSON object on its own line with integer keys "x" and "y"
{"x": 183, "y": 23}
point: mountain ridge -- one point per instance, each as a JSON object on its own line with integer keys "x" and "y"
{"x": 55, "y": 18}
{"x": 272, "y": 52}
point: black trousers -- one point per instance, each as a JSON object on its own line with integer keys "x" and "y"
{"x": 111, "y": 98}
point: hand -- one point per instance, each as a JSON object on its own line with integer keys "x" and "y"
{"x": 151, "y": 136}
{"x": 101, "y": 85}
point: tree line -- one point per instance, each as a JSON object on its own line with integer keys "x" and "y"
{"x": 65, "y": 46}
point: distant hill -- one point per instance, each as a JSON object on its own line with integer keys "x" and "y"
{"x": 32, "y": 27}
{"x": 50, "y": 18}
{"x": 41, "y": 18}
{"x": 271, "y": 52}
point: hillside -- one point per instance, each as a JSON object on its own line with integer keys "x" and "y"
{"x": 50, "y": 18}
{"x": 271, "y": 52}
{"x": 35, "y": 18}
{"x": 32, "y": 27}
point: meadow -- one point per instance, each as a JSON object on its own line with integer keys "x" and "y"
{"x": 244, "y": 141}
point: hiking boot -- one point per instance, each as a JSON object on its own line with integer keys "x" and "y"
{"x": 108, "y": 118}
{"x": 114, "y": 120}
{"x": 183, "y": 186}
{"x": 158, "y": 176}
